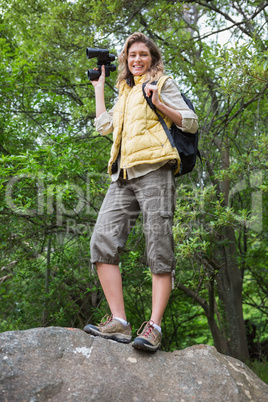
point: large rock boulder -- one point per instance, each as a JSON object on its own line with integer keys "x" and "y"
{"x": 61, "y": 364}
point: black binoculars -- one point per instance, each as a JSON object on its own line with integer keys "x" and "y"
{"x": 104, "y": 58}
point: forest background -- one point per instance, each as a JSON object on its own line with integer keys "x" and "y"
{"x": 53, "y": 169}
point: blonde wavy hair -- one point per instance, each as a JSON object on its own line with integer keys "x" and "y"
{"x": 157, "y": 67}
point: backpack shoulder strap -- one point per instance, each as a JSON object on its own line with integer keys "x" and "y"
{"x": 152, "y": 106}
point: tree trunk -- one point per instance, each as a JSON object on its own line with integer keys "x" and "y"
{"x": 218, "y": 335}
{"x": 229, "y": 284}
{"x": 47, "y": 283}
{"x": 219, "y": 339}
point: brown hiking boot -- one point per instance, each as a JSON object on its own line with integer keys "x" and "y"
{"x": 149, "y": 339}
{"x": 110, "y": 329}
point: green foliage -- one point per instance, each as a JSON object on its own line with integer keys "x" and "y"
{"x": 53, "y": 164}
{"x": 260, "y": 369}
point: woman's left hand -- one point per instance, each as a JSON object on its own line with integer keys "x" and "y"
{"x": 172, "y": 114}
{"x": 152, "y": 89}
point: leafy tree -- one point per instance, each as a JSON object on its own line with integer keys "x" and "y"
{"x": 53, "y": 166}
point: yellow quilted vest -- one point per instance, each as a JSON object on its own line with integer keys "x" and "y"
{"x": 137, "y": 129}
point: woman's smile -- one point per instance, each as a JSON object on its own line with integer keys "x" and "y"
{"x": 139, "y": 58}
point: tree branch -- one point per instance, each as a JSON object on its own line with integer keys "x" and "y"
{"x": 195, "y": 296}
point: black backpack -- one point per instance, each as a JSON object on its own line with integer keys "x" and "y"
{"x": 186, "y": 143}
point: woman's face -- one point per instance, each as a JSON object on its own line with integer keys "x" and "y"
{"x": 139, "y": 58}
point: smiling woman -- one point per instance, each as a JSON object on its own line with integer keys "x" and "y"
{"x": 141, "y": 45}
{"x": 142, "y": 167}
{"x": 139, "y": 58}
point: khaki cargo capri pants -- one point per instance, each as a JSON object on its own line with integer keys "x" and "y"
{"x": 154, "y": 195}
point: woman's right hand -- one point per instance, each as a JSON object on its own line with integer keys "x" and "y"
{"x": 99, "y": 83}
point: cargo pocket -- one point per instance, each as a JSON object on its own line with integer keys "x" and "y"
{"x": 164, "y": 249}
{"x": 166, "y": 214}
{"x": 166, "y": 218}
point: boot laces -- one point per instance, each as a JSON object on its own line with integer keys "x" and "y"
{"x": 106, "y": 320}
{"x": 148, "y": 329}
